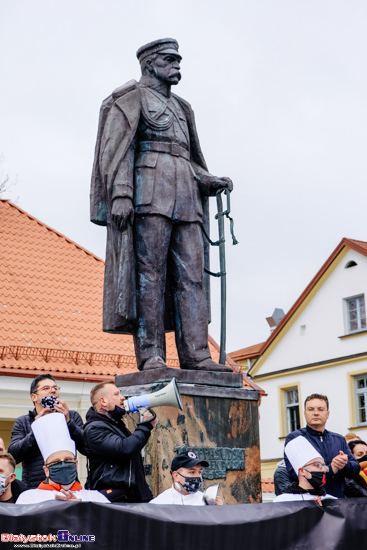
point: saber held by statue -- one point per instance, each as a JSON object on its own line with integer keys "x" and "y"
{"x": 222, "y": 266}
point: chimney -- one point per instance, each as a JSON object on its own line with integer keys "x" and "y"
{"x": 275, "y": 319}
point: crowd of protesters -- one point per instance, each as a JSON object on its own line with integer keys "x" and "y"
{"x": 317, "y": 463}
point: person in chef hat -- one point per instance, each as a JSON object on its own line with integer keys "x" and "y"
{"x": 311, "y": 470}
{"x": 61, "y": 465}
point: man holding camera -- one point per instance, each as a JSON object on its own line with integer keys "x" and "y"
{"x": 115, "y": 465}
{"x": 23, "y": 445}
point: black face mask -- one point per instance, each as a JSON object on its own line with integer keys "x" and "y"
{"x": 192, "y": 484}
{"x": 63, "y": 473}
{"x": 117, "y": 413}
{"x": 318, "y": 479}
{"x": 362, "y": 459}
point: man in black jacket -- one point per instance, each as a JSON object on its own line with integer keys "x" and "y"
{"x": 115, "y": 464}
{"x": 23, "y": 445}
{"x": 331, "y": 446}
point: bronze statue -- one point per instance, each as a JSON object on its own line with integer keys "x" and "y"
{"x": 150, "y": 186}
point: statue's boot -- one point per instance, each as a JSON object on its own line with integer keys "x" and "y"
{"x": 207, "y": 365}
{"x": 153, "y": 363}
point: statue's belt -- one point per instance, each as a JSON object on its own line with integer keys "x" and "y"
{"x": 173, "y": 149}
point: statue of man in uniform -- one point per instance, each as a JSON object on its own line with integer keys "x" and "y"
{"x": 150, "y": 186}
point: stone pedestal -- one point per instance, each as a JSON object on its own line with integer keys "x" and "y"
{"x": 219, "y": 422}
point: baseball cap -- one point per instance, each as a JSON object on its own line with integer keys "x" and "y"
{"x": 187, "y": 459}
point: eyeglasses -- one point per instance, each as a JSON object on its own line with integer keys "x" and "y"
{"x": 318, "y": 465}
{"x": 67, "y": 461}
{"x": 48, "y": 388}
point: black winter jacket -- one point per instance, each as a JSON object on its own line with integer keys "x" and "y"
{"x": 354, "y": 489}
{"x": 114, "y": 455}
{"x": 328, "y": 444}
{"x": 17, "y": 488}
{"x": 23, "y": 446}
{"x": 281, "y": 478}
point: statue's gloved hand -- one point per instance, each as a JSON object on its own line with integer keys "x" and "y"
{"x": 122, "y": 213}
{"x": 219, "y": 184}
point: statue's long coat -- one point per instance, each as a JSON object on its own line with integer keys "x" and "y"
{"x": 113, "y": 175}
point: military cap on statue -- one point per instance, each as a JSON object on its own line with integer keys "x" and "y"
{"x": 164, "y": 45}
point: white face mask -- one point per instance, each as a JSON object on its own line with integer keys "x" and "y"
{"x": 3, "y": 487}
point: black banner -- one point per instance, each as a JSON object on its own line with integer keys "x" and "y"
{"x": 337, "y": 524}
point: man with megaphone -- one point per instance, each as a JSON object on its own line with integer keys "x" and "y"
{"x": 115, "y": 465}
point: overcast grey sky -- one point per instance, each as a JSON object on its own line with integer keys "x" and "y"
{"x": 279, "y": 90}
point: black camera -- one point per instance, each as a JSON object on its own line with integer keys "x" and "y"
{"x": 49, "y": 401}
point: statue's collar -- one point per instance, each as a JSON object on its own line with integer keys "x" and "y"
{"x": 155, "y": 84}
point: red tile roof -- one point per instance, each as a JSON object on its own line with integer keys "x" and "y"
{"x": 247, "y": 353}
{"x": 51, "y": 293}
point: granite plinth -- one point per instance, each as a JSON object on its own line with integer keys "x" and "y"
{"x": 165, "y": 374}
{"x": 192, "y": 389}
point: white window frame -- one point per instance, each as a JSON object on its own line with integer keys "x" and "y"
{"x": 359, "y": 392}
{"x": 360, "y": 302}
{"x": 291, "y": 408}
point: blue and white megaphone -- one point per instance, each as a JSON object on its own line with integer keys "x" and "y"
{"x": 169, "y": 396}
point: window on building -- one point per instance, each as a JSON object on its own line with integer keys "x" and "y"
{"x": 292, "y": 410}
{"x": 361, "y": 399}
{"x": 356, "y": 314}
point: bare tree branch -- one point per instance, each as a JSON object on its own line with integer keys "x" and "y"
{"x": 5, "y": 182}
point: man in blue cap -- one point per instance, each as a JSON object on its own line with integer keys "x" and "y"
{"x": 187, "y": 477}
{"x": 150, "y": 186}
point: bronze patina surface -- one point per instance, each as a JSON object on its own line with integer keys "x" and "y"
{"x": 150, "y": 187}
